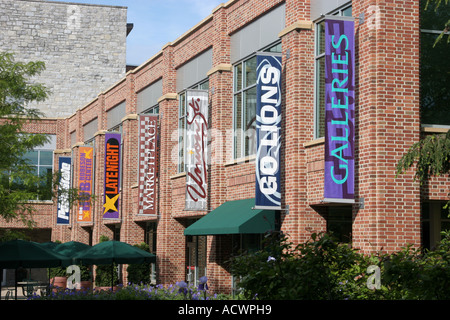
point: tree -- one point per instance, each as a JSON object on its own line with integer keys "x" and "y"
{"x": 18, "y": 181}
{"x": 431, "y": 156}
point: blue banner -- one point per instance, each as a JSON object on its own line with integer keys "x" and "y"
{"x": 268, "y": 131}
{"x": 63, "y": 210}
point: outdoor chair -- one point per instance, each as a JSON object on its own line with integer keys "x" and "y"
{"x": 9, "y": 294}
{"x": 28, "y": 289}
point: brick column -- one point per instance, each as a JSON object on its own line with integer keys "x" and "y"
{"x": 170, "y": 238}
{"x": 387, "y": 43}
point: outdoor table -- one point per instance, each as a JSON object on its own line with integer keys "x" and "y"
{"x": 30, "y": 286}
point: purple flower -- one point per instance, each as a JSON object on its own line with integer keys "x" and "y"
{"x": 183, "y": 287}
{"x": 202, "y": 285}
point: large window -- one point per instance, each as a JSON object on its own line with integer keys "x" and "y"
{"x": 38, "y": 180}
{"x": 42, "y": 161}
{"x": 244, "y": 89}
{"x": 434, "y": 66}
{"x": 320, "y": 71}
{"x": 182, "y": 107}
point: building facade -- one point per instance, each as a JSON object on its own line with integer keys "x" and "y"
{"x": 152, "y": 110}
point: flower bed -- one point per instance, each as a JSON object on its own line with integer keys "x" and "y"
{"x": 180, "y": 291}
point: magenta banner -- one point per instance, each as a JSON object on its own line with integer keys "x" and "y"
{"x": 339, "y": 109}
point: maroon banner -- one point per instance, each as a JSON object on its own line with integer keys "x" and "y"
{"x": 148, "y": 127}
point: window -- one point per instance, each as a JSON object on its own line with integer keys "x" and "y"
{"x": 434, "y": 219}
{"x": 320, "y": 72}
{"x": 150, "y": 240}
{"x": 434, "y": 66}
{"x": 152, "y": 110}
{"x": 244, "y": 102}
{"x": 182, "y": 123}
{"x": 196, "y": 261}
{"x": 339, "y": 223}
{"x": 41, "y": 166}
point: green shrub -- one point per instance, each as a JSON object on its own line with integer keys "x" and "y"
{"x": 323, "y": 268}
{"x": 139, "y": 273}
{"x": 316, "y": 269}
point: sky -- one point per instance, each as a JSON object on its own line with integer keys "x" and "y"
{"x": 157, "y": 22}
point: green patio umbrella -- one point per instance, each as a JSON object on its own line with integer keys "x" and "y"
{"x": 20, "y": 253}
{"x": 16, "y": 254}
{"x": 112, "y": 251}
{"x": 49, "y": 245}
{"x": 71, "y": 249}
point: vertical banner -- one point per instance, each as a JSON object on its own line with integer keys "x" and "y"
{"x": 148, "y": 127}
{"x": 85, "y": 181}
{"x": 339, "y": 109}
{"x": 63, "y": 207}
{"x": 268, "y": 131}
{"x": 196, "y": 149}
{"x": 112, "y": 176}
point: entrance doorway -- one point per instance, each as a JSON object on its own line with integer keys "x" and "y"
{"x": 195, "y": 259}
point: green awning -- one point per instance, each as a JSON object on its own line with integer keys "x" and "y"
{"x": 234, "y": 217}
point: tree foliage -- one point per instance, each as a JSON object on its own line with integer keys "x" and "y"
{"x": 437, "y": 5}
{"x": 18, "y": 180}
{"x": 324, "y": 269}
{"x": 431, "y": 156}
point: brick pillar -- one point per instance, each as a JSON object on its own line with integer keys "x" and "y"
{"x": 299, "y": 219}
{"x": 388, "y": 123}
{"x": 221, "y": 124}
{"x": 170, "y": 238}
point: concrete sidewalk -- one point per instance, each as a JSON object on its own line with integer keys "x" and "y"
{"x": 12, "y": 293}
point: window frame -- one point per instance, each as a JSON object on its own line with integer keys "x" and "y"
{"x": 433, "y": 220}
{"x": 318, "y": 56}
{"x": 426, "y": 124}
{"x": 38, "y": 167}
{"x": 181, "y": 155}
{"x": 245, "y": 88}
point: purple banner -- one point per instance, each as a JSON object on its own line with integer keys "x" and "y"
{"x": 339, "y": 109}
{"x": 112, "y": 176}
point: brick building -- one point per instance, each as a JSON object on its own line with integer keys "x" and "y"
{"x": 218, "y": 54}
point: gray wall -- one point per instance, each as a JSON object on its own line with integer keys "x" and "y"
{"x": 194, "y": 71}
{"x": 319, "y": 7}
{"x": 83, "y": 47}
{"x": 258, "y": 34}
